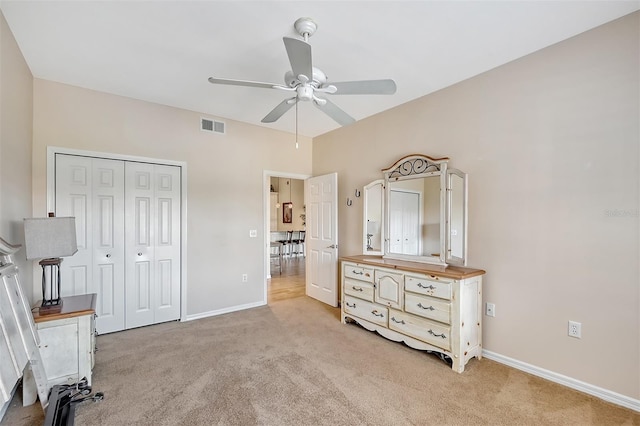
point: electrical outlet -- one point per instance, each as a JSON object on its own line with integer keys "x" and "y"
{"x": 245, "y": 278}
{"x": 575, "y": 329}
{"x": 490, "y": 310}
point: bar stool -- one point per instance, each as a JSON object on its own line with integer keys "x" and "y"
{"x": 299, "y": 243}
{"x": 275, "y": 255}
{"x": 286, "y": 244}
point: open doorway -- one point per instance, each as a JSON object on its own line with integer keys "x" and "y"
{"x": 285, "y": 220}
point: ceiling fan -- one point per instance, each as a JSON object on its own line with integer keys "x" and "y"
{"x": 309, "y": 82}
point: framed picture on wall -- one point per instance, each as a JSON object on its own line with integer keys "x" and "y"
{"x": 287, "y": 212}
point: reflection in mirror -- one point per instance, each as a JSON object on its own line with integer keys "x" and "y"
{"x": 414, "y": 216}
{"x": 373, "y": 194}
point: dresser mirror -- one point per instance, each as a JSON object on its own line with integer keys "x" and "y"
{"x": 424, "y": 211}
{"x": 373, "y": 218}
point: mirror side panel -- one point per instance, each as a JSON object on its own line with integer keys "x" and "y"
{"x": 456, "y": 218}
{"x": 373, "y": 218}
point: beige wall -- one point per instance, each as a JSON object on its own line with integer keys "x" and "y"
{"x": 225, "y": 178}
{"x": 550, "y": 143}
{"x": 16, "y": 89}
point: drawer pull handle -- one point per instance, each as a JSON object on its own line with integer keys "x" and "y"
{"x": 351, "y": 306}
{"x": 436, "y": 335}
{"x": 375, "y": 313}
{"x": 356, "y": 272}
{"x": 429, "y": 308}
{"x": 396, "y": 321}
{"x": 108, "y": 255}
{"x": 356, "y": 288}
{"x": 429, "y": 287}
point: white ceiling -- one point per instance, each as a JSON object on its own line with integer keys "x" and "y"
{"x": 164, "y": 51}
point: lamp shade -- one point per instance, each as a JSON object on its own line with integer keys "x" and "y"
{"x": 50, "y": 237}
{"x": 373, "y": 227}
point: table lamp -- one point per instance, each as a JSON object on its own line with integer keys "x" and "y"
{"x": 50, "y": 239}
{"x": 372, "y": 228}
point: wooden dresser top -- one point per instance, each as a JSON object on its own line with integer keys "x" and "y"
{"x": 72, "y": 306}
{"x": 454, "y": 272}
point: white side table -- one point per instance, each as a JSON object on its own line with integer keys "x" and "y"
{"x": 67, "y": 344}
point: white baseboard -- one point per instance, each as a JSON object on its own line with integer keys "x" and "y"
{"x": 223, "y": 311}
{"x": 607, "y": 395}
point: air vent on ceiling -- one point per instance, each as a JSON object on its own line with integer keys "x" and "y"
{"x": 213, "y": 126}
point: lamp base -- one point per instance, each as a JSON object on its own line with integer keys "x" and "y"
{"x": 51, "y": 307}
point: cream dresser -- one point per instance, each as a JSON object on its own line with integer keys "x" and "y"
{"x": 426, "y": 306}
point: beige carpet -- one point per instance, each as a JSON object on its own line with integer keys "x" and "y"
{"x": 294, "y": 363}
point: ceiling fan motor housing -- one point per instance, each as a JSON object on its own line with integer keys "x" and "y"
{"x": 317, "y": 79}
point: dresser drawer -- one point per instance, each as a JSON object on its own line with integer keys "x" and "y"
{"x": 368, "y": 311}
{"x": 420, "y": 328}
{"x": 357, "y": 272}
{"x": 431, "y": 286}
{"x": 428, "y": 307}
{"x": 359, "y": 289}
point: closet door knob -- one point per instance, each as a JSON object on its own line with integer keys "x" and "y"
{"x": 139, "y": 253}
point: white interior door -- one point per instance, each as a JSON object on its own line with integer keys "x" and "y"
{"x": 152, "y": 255}
{"x": 92, "y": 191}
{"x": 321, "y": 199}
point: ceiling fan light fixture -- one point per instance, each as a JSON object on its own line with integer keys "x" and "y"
{"x": 305, "y": 92}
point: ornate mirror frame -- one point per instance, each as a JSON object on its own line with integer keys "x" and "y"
{"x": 453, "y": 192}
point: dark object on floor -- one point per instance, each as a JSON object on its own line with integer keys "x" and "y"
{"x": 63, "y": 399}
{"x": 445, "y": 358}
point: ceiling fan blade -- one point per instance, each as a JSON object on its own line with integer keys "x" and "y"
{"x": 279, "y": 110}
{"x": 230, "y": 82}
{"x": 299, "y": 53}
{"x": 365, "y": 87}
{"x": 333, "y": 111}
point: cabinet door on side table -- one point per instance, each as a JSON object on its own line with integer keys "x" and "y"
{"x": 59, "y": 349}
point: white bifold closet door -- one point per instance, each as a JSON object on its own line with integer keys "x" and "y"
{"x": 152, "y": 243}
{"x": 128, "y": 230}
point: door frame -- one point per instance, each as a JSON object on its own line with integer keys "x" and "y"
{"x": 266, "y": 189}
{"x": 51, "y": 200}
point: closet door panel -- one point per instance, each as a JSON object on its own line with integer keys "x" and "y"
{"x": 92, "y": 191}
{"x": 73, "y": 195}
{"x": 167, "y": 250}
{"x": 108, "y": 243}
{"x": 140, "y": 237}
